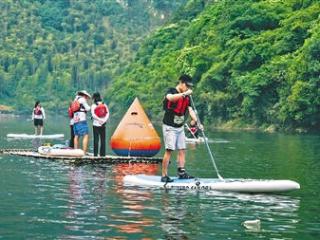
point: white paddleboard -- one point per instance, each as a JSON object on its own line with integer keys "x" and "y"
{"x": 66, "y": 152}
{"x": 201, "y": 140}
{"x": 31, "y": 136}
{"x": 230, "y": 185}
{"x": 195, "y": 140}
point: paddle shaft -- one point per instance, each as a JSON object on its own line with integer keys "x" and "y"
{"x": 205, "y": 140}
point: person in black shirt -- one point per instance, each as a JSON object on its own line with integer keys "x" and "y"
{"x": 176, "y": 105}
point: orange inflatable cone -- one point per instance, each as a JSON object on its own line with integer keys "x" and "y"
{"x": 135, "y": 134}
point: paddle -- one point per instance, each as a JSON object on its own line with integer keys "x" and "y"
{"x": 205, "y": 140}
{"x": 190, "y": 131}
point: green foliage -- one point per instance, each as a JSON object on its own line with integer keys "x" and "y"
{"x": 51, "y": 48}
{"x": 254, "y": 61}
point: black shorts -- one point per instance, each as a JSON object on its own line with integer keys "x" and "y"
{"x": 38, "y": 122}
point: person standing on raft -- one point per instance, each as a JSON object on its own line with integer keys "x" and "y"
{"x": 176, "y": 104}
{"x": 38, "y": 115}
{"x": 100, "y": 115}
{"x": 80, "y": 108}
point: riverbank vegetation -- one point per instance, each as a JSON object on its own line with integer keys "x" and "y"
{"x": 255, "y": 63}
{"x": 51, "y": 48}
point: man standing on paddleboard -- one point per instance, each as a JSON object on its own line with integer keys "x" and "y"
{"x": 176, "y": 104}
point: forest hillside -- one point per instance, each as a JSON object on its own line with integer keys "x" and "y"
{"x": 49, "y": 49}
{"x": 254, "y": 62}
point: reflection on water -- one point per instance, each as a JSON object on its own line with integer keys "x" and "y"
{"x": 86, "y": 202}
{"x": 132, "y": 218}
{"x": 173, "y": 216}
{"x": 36, "y": 143}
{"x": 191, "y": 214}
{"x": 83, "y": 184}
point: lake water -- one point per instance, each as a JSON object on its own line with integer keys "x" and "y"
{"x": 41, "y": 199}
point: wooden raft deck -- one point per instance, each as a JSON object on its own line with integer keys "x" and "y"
{"x": 108, "y": 159}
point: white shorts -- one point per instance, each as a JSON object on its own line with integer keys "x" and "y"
{"x": 174, "y": 138}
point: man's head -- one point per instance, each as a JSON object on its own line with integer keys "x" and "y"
{"x": 185, "y": 82}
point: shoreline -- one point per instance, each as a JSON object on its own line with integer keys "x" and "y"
{"x": 230, "y": 126}
{"x": 271, "y": 128}
{"x": 6, "y": 109}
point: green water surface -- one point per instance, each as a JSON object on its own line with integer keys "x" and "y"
{"x": 42, "y": 199}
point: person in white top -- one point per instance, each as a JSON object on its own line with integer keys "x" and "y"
{"x": 100, "y": 115}
{"x": 80, "y": 108}
{"x": 38, "y": 115}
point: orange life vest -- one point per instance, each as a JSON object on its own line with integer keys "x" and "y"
{"x": 70, "y": 112}
{"x": 179, "y": 107}
{"x": 75, "y": 106}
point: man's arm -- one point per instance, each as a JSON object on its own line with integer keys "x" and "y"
{"x": 193, "y": 116}
{"x": 175, "y": 97}
{"x": 84, "y": 104}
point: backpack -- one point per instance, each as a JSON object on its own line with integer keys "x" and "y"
{"x": 70, "y": 112}
{"x": 75, "y": 106}
{"x": 101, "y": 110}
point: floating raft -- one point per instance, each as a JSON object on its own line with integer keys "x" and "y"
{"x": 87, "y": 159}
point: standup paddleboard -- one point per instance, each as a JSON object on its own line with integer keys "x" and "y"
{"x": 31, "y": 136}
{"x": 201, "y": 140}
{"x": 66, "y": 152}
{"x": 230, "y": 185}
{"x": 195, "y": 140}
